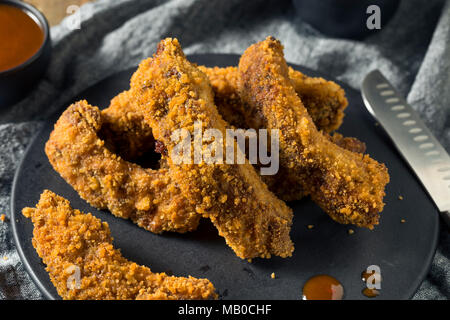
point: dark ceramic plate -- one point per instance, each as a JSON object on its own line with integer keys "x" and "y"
{"x": 403, "y": 251}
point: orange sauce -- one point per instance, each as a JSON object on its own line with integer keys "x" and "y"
{"x": 20, "y": 36}
{"x": 323, "y": 287}
{"x": 370, "y": 293}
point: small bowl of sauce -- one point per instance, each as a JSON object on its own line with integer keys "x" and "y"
{"x": 25, "y": 49}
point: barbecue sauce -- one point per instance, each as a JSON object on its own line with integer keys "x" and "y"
{"x": 20, "y": 36}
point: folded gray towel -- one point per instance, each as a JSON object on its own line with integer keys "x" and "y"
{"x": 412, "y": 50}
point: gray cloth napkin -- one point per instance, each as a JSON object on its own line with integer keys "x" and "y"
{"x": 412, "y": 50}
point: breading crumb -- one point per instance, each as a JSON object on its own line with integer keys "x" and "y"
{"x": 5, "y": 258}
{"x": 351, "y": 231}
{"x": 2, "y": 218}
{"x": 223, "y": 198}
{"x": 272, "y": 275}
{"x": 400, "y": 198}
{"x": 310, "y": 226}
{"x": 402, "y": 220}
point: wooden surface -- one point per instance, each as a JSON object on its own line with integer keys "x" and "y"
{"x": 55, "y": 10}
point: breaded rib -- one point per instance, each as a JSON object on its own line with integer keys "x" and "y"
{"x": 174, "y": 94}
{"x": 348, "y": 186}
{"x": 324, "y": 100}
{"x": 67, "y": 239}
{"x": 150, "y": 198}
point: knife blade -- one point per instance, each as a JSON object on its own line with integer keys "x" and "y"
{"x": 418, "y": 146}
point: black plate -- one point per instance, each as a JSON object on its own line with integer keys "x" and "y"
{"x": 403, "y": 251}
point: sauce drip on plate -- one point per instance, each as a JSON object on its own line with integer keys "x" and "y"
{"x": 20, "y": 36}
{"x": 323, "y": 287}
{"x": 370, "y": 293}
{"x": 366, "y": 276}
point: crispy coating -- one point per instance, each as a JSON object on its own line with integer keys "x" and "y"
{"x": 348, "y": 186}
{"x": 226, "y": 96}
{"x": 174, "y": 94}
{"x": 324, "y": 100}
{"x": 67, "y": 239}
{"x": 125, "y": 131}
{"x": 286, "y": 186}
{"x": 349, "y": 143}
{"x": 148, "y": 197}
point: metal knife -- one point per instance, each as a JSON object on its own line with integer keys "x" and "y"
{"x": 423, "y": 152}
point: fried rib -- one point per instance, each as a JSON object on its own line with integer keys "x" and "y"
{"x": 346, "y": 185}
{"x": 67, "y": 239}
{"x": 150, "y": 198}
{"x": 174, "y": 94}
{"x": 324, "y": 100}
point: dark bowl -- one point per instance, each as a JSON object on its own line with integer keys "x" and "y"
{"x": 16, "y": 82}
{"x": 343, "y": 18}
